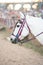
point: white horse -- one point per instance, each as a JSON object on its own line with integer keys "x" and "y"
{"x": 24, "y": 26}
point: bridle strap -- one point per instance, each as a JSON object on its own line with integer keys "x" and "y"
{"x": 13, "y": 34}
{"x": 28, "y": 27}
{"x": 20, "y": 29}
{"x": 31, "y": 38}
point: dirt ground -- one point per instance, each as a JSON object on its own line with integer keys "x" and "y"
{"x": 13, "y": 54}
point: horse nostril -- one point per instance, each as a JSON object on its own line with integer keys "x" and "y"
{"x": 11, "y": 39}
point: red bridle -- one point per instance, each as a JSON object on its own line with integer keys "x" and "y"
{"x": 21, "y": 28}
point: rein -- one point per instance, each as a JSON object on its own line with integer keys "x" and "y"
{"x": 31, "y": 38}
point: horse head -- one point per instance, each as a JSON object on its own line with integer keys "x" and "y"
{"x": 20, "y": 32}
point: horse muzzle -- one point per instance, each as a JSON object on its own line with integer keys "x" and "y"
{"x": 13, "y": 40}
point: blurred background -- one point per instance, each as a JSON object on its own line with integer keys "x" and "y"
{"x": 9, "y": 12}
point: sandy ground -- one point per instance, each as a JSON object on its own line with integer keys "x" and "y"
{"x": 13, "y": 54}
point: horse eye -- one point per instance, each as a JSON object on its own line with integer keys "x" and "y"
{"x": 17, "y": 25}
